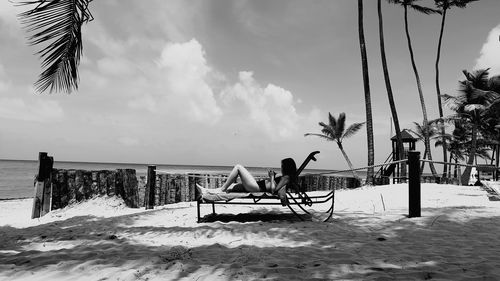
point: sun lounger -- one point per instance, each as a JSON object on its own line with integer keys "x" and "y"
{"x": 295, "y": 195}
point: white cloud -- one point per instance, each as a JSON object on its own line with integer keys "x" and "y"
{"x": 490, "y": 53}
{"x": 272, "y": 108}
{"x": 182, "y": 85}
{"x": 36, "y": 110}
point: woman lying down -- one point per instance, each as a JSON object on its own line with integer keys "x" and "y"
{"x": 274, "y": 185}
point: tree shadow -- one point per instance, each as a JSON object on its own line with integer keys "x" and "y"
{"x": 352, "y": 246}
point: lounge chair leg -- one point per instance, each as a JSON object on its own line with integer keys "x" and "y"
{"x": 213, "y": 208}
{"x": 198, "y": 209}
{"x": 330, "y": 210}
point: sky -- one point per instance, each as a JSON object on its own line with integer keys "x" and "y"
{"x": 221, "y": 82}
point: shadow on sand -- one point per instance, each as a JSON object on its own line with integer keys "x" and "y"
{"x": 351, "y": 246}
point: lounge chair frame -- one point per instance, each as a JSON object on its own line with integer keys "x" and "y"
{"x": 300, "y": 198}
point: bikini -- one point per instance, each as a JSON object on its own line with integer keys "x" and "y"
{"x": 262, "y": 184}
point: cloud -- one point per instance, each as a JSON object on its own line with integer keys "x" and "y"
{"x": 490, "y": 53}
{"x": 272, "y": 108}
{"x": 128, "y": 141}
{"x": 182, "y": 85}
{"x": 36, "y": 110}
{"x": 114, "y": 66}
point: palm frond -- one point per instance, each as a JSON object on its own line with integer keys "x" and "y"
{"x": 328, "y": 138}
{"x": 424, "y": 10}
{"x": 352, "y": 129}
{"x": 340, "y": 125}
{"x": 57, "y": 24}
{"x": 331, "y": 120}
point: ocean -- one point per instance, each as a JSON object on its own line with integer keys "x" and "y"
{"x": 17, "y": 176}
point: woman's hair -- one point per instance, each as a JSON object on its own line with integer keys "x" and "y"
{"x": 288, "y": 168}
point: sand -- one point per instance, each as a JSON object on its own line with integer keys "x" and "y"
{"x": 369, "y": 238}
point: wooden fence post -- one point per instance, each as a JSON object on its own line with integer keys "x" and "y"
{"x": 414, "y": 183}
{"x": 149, "y": 196}
{"x": 41, "y": 200}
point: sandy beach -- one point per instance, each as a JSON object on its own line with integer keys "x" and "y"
{"x": 369, "y": 238}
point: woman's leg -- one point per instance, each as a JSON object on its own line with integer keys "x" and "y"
{"x": 247, "y": 180}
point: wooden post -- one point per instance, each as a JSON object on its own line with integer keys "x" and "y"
{"x": 41, "y": 200}
{"x": 149, "y": 197}
{"x": 414, "y": 183}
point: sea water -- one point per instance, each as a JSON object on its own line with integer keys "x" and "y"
{"x": 17, "y": 176}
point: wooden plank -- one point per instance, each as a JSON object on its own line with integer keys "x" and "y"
{"x": 130, "y": 188}
{"x": 161, "y": 190}
{"x": 47, "y": 185}
{"x": 94, "y": 186}
{"x": 149, "y": 196}
{"x": 72, "y": 190}
{"x": 119, "y": 183}
{"x": 62, "y": 179}
{"x": 111, "y": 183}
{"x": 87, "y": 185}
{"x": 102, "y": 180}
{"x": 56, "y": 193}
{"x": 79, "y": 189}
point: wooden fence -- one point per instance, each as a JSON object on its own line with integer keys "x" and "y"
{"x": 69, "y": 186}
{"x": 173, "y": 188}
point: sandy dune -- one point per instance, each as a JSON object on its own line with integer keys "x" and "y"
{"x": 370, "y": 238}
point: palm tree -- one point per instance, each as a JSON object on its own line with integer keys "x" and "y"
{"x": 470, "y": 107}
{"x": 368, "y": 104}
{"x": 388, "y": 86}
{"x": 421, "y": 131}
{"x": 57, "y": 24}
{"x": 425, "y": 10}
{"x": 443, "y": 6}
{"x": 335, "y": 131}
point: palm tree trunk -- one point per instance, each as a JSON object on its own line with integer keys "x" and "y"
{"x": 472, "y": 155}
{"x": 438, "y": 89}
{"x": 420, "y": 93}
{"x": 423, "y": 162}
{"x": 366, "y": 84}
{"x": 348, "y": 161}
{"x": 390, "y": 95}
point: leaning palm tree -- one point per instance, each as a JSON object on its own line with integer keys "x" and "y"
{"x": 335, "y": 131}
{"x": 390, "y": 96}
{"x": 57, "y": 25}
{"x": 368, "y": 104}
{"x": 425, "y": 10}
{"x": 443, "y": 6}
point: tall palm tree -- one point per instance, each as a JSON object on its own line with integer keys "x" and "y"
{"x": 368, "y": 104}
{"x": 390, "y": 96}
{"x": 336, "y": 131}
{"x": 443, "y": 6}
{"x": 57, "y": 24}
{"x": 425, "y": 10}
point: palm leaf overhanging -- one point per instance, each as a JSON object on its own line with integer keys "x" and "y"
{"x": 57, "y": 24}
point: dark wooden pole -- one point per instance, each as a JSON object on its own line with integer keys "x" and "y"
{"x": 414, "y": 183}
{"x": 149, "y": 196}
{"x": 41, "y": 200}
